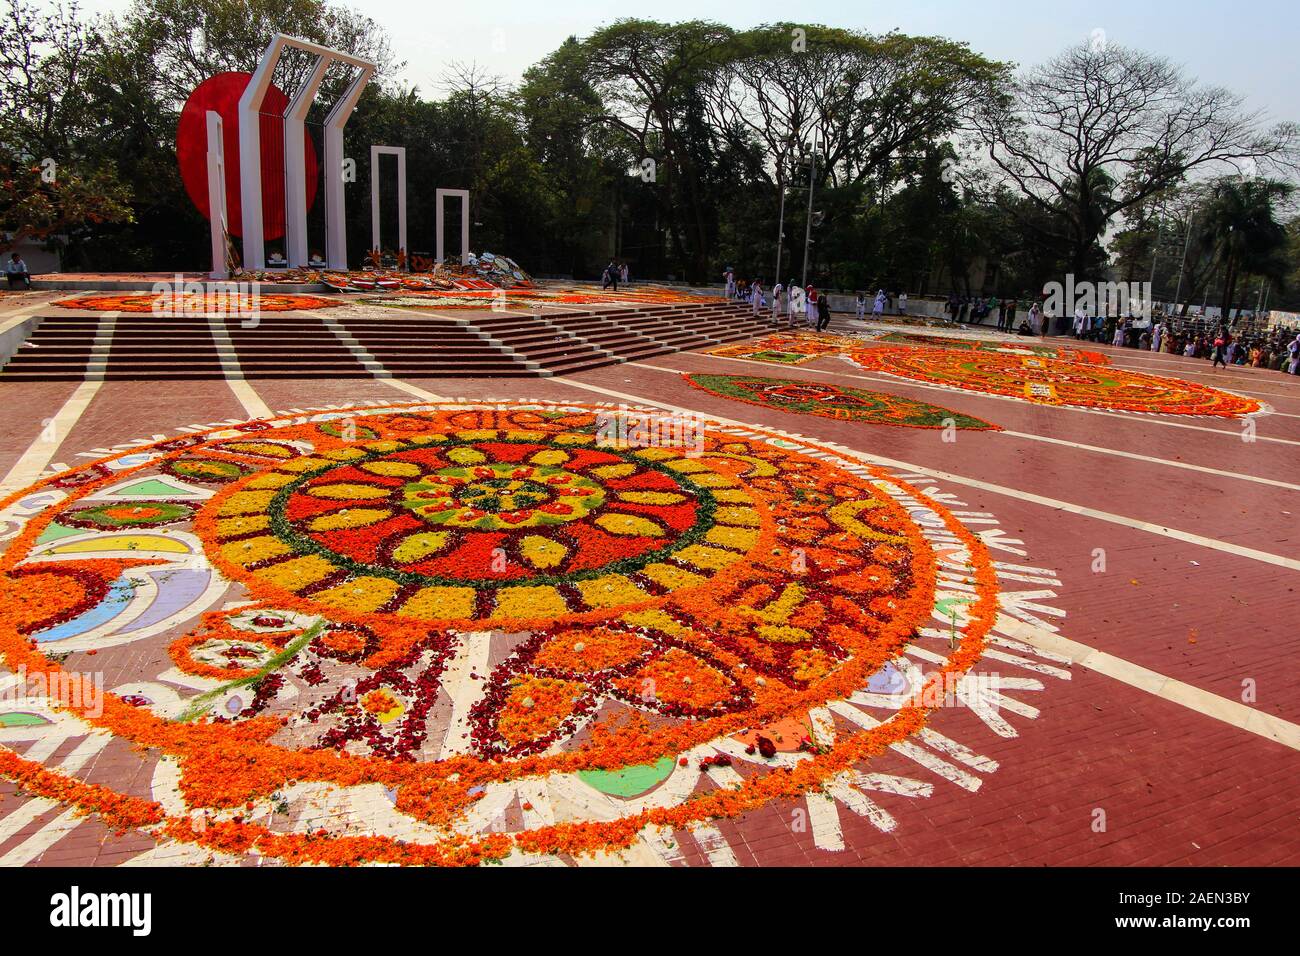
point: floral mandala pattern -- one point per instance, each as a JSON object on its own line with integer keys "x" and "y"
{"x": 525, "y": 297}
{"x": 468, "y": 617}
{"x": 192, "y": 303}
{"x": 788, "y": 348}
{"x": 833, "y": 401}
{"x": 1003, "y": 347}
{"x": 1050, "y": 382}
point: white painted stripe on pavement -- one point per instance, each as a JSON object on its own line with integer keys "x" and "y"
{"x": 1167, "y": 688}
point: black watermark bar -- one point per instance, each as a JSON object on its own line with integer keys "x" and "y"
{"x": 143, "y": 907}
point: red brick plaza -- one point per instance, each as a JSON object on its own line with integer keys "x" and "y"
{"x": 858, "y": 609}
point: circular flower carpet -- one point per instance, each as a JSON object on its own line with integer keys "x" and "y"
{"x": 450, "y": 634}
{"x": 788, "y": 348}
{"x": 1003, "y": 347}
{"x": 575, "y": 295}
{"x": 1050, "y": 382}
{"x": 192, "y": 303}
{"x": 834, "y": 401}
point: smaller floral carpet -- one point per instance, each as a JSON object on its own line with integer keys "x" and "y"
{"x": 1065, "y": 353}
{"x": 834, "y": 401}
{"x": 192, "y": 303}
{"x": 575, "y": 295}
{"x": 788, "y": 348}
{"x": 1048, "y": 381}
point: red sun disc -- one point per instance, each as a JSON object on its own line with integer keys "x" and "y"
{"x": 221, "y": 93}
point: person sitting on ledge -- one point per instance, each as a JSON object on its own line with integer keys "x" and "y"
{"x": 16, "y": 272}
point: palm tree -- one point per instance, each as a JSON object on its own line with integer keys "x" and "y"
{"x": 1242, "y": 229}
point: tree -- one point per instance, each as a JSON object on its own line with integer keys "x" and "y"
{"x": 1241, "y": 225}
{"x": 648, "y": 76}
{"x": 875, "y": 104}
{"x": 186, "y": 41}
{"x": 34, "y": 208}
{"x": 585, "y": 162}
{"x": 1101, "y": 128}
{"x": 57, "y": 186}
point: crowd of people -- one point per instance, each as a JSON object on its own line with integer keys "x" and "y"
{"x": 1276, "y": 348}
{"x": 1224, "y": 344}
{"x": 803, "y": 305}
{"x": 1259, "y": 347}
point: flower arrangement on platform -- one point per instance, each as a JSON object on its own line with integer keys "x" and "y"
{"x": 839, "y": 402}
{"x": 448, "y": 602}
{"x": 1047, "y": 381}
{"x": 788, "y": 348}
{"x": 194, "y": 304}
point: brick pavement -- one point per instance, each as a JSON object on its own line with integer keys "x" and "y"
{"x": 1177, "y": 786}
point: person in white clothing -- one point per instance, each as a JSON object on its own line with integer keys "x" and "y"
{"x": 878, "y": 307}
{"x": 796, "y": 298}
{"x": 756, "y": 295}
{"x": 902, "y": 303}
{"x": 776, "y": 298}
{"x": 729, "y": 277}
{"x": 1156, "y": 336}
{"x": 862, "y": 305}
{"x": 1081, "y": 322}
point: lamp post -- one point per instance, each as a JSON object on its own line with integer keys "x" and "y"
{"x": 1182, "y": 263}
{"x": 807, "y": 233}
{"x": 780, "y": 229}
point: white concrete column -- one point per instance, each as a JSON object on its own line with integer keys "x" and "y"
{"x": 217, "y": 195}
{"x": 295, "y": 166}
{"x": 336, "y": 240}
{"x": 400, "y": 153}
{"x": 440, "y": 222}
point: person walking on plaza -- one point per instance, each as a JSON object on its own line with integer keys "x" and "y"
{"x": 729, "y": 277}
{"x": 622, "y": 273}
{"x": 902, "y": 303}
{"x": 878, "y": 307}
{"x": 794, "y": 302}
{"x": 1293, "y": 350}
{"x": 1081, "y": 322}
{"x": 756, "y": 296}
{"x": 1156, "y": 336}
{"x": 611, "y": 276}
{"x": 777, "y": 290}
{"x": 1036, "y": 321}
{"x": 811, "y": 292}
{"x": 16, "y": 272}
{"x": 862, "y": 305}
{"x": 1221, "y": 342}
{"x": 823, "y": 313}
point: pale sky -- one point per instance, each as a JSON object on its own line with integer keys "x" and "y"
{"x": 1250, "y": 46}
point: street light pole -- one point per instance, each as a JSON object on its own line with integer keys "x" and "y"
{"x": 807, "y": 234}
{"x": 780, "y": 230}
{"x": 1182, "y": 263}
